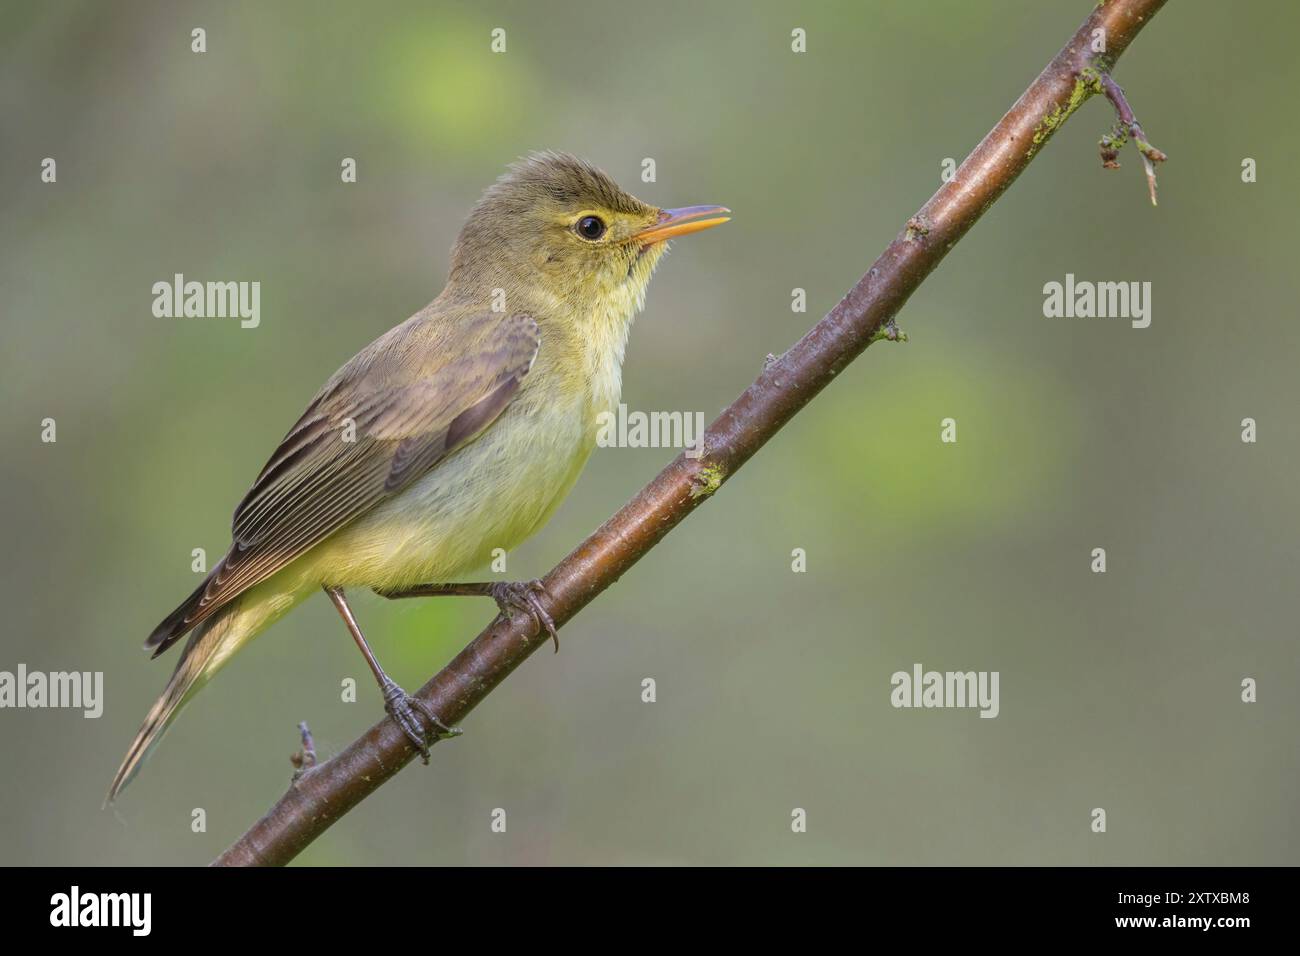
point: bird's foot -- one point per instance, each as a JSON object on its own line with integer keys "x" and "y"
{"x": 402, "y": 707}
{"x": 512, "y": 596}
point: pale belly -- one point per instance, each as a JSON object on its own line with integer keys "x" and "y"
{"x": 493, "y": 493}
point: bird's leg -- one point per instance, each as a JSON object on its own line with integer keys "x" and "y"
{"x": 400, "y": 705}
{"x": 511, "y": 596}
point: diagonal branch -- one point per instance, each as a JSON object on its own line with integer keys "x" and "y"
{"x": 324, "y": 793}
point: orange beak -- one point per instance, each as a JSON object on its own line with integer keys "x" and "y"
{"x": 682, "y": 222}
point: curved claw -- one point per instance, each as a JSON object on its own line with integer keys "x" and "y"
{"x": 440, "y": 730}
{"x": 522, "y": 596}
{"x": 401, "y": 707}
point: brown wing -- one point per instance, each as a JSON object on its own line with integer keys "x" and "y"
{"x": 385, "y": 419}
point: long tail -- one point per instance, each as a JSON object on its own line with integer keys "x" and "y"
{"x": 209, "y": 644}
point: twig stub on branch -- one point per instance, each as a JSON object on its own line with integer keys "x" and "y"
{"x": 1126, "y": 126}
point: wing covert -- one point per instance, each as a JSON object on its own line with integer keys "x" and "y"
{"x": 385, "y": 419}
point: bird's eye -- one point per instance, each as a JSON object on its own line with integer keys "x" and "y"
{"x": 590, "y": 227}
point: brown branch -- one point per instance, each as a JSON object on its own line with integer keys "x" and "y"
{"x": 324, "y": 793}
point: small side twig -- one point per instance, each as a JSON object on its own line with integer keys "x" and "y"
{"x": 1126, "y": 126}
{"x": 305, "y": 758}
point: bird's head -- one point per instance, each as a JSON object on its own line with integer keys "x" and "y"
{"x": 558, "y": 236}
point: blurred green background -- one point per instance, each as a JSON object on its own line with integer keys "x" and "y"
{"x": 1119, "y": 690}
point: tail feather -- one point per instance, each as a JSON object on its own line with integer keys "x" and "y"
{"x": 175, "y": 625}
{"x": 212, "y": 641}
{"x": 209, "y": 645}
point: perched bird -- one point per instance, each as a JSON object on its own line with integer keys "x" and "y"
{"x": 455, "y": 433}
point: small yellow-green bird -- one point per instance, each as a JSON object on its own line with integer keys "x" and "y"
{"x": 455, "y": 433}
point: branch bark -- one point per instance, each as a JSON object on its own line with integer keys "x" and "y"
{"x": 322, "y": 794}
